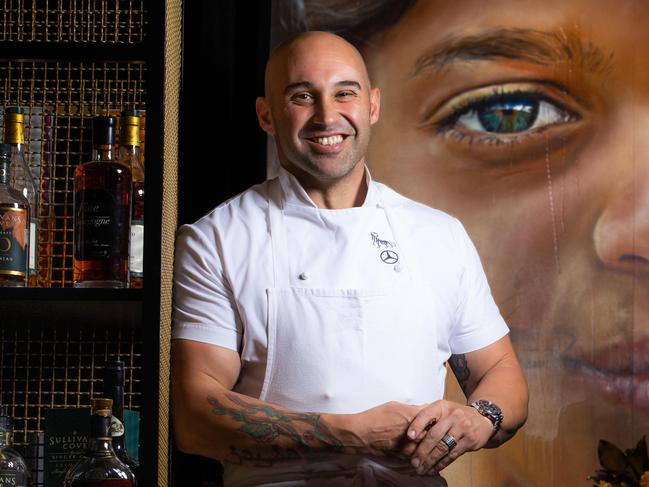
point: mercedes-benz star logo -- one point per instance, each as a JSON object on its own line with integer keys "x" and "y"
{"x": 389, "y": 257}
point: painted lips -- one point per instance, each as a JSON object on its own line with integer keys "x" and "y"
{"x": 620, "y": 372}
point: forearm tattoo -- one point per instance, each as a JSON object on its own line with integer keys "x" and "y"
{"x": 460, "y": 368}
{"x": 269, "y": 425}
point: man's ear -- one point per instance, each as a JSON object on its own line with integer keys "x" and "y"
{"x": 263, "y": 115}
{"x": 375, "y": 105}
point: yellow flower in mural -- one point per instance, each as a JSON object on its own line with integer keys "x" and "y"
{"x": 644, "y": 480}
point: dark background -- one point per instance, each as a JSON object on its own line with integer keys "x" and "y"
{"x": 222, "y": 148}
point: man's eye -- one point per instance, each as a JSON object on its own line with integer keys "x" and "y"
{"x": 509, "y": 114}
{"x": 302, "y": 97}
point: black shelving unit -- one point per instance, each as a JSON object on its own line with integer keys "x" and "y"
{"x": 73, "y": 64}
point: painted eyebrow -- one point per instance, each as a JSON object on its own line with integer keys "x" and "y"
{"x": 538, "y": 47}
{"x": 307, "y": 85}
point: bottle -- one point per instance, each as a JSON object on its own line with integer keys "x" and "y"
{"x": 130, "y": 156}
{"x": 102, "y": 213}
{"x": 114, "y": 390}
{"x": 22, "y": 180}
{"x": 14, "y": 227}
{"x": 100, "y": 466}
{"x": 13, "y": 469}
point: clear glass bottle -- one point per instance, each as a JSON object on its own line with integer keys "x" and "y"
{"x": 102, "y": 213}
{"x": 23, "y": 181}
{"x": 13, "y": 470}
{"x": 100, "y": 466}
{"x": 114, "y": 390}
{"x": 130, "y": 156}
{"x": 14, "y": 227}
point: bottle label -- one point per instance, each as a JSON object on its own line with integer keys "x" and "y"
{"x": 116, "y": 427}
{"x": 13, "y": 241}
{"x": 98, "y": 227}
{"x": 33, "y": 238}
{"x": 13, "y": 479}
{"x": 136, "y": 252}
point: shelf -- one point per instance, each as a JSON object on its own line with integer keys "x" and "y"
{"x": 104, "y": 307}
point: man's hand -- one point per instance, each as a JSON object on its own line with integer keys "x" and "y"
{"x": 380, "y": 431}
{"x": 429, "y": 454}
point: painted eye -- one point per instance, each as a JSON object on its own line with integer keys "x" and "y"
{"x": 510, "y": 114}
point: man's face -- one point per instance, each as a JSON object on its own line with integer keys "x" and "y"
{"x": 321, "y": 108}
{"x": 529, "y": 120}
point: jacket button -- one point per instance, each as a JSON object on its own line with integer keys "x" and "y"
{"x": 398, "y": 268}
{"x": 304, "y": 276}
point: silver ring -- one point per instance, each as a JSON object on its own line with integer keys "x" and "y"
{"x": 449, "y": 441}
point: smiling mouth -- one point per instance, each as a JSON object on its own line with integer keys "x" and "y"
{"x": 330, "y": 140}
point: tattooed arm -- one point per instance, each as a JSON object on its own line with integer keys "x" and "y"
{"x": 213, "y": 421}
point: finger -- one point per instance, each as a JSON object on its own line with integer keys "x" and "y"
{"x": 446, "y": 460}
{"x": 433, "y": 449}
{"x": 424, "y": 420}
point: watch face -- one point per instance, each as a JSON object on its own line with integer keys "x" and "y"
{"x": 489, "y": 410}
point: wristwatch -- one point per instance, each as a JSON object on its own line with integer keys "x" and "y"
{"x": 490, "y": 411}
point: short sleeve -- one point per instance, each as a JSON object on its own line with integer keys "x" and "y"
{"x": 204, "y": 307}
{"x": 479, "y": 322}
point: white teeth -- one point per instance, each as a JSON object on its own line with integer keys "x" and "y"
{"x": 333, "y": 140}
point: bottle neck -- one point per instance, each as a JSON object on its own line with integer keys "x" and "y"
{"x": 100, "y": 441}
{"x": 103, "y": 152}
{"x": 14, "y": 132}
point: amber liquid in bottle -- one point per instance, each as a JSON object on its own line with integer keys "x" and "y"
{"x": 130, "y": 156}
{"x": 102, "y": 211}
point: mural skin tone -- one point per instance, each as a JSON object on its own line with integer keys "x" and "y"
{"x": 529, "y": 121}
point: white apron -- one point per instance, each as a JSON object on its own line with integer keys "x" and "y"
{"x": 345, "y": 350}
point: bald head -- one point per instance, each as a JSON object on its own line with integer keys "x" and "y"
{"x": 308, "y": 47}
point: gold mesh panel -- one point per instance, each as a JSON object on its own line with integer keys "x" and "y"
{"x": 59, "y": 100}
{"x": 108, "y": 21}
{"x": 169, "y": 220}
{"x": 60, "y": 366}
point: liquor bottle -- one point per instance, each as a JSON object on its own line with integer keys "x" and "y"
{"x": 13, "y": 469}
{"x": 14, "y": 227}
{"x": 114, "y": 390}
{"x": 22, "y": 180}
{"x": 102, "y": 213}
{"x": 100, "y": 466}
{"x": 130, "y": 156}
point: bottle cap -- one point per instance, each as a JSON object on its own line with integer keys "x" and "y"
{"x": 130, "y": 134}
{"x": 103, "y": 130}
{"x": 102, "y": 406}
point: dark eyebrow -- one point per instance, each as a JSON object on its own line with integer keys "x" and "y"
{"x": 307, "y": 85}
{"x": 538, "y": 47}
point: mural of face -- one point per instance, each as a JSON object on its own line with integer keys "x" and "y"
{"x": 529, "y": 121}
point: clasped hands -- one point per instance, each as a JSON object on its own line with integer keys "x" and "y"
{"x": 414, "y": 433}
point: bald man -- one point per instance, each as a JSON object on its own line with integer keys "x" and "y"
{"x": 315, "y": 312}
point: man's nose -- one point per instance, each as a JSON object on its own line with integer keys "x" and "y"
{"x": 324, "y": 112}
{"x": 622, "y": 230}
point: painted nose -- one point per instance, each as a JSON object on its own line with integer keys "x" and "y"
{"x": 622, "y": 231}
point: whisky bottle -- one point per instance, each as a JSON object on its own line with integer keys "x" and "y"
{"x": 22, "y": 180}
{"x": 13, "y": 469}
{"x": 130, "y": 156}
{"x": 114, "y": 390}
{"x": 102, "y": 213}
{"x": 14, "y": 227}
{"x": 100, "y": 466}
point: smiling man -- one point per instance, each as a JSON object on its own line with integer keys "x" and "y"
{"x": 314, "y": 313}
{"x": 527, "y": 120}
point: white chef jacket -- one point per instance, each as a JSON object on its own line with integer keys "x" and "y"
{"x": 224, "y": 263}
